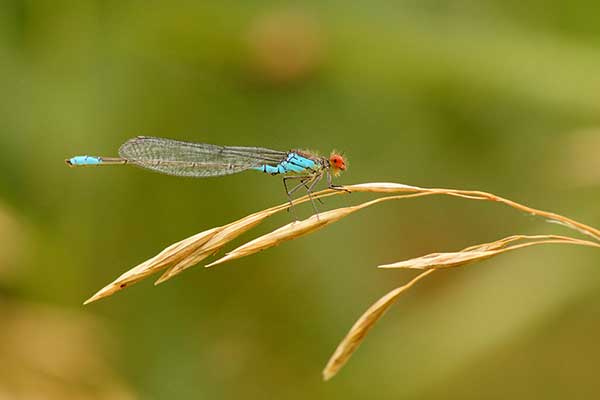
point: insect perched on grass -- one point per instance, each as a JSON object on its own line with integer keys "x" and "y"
{"x": 173, "y": 157}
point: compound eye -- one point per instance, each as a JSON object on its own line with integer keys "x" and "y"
{"x": 337, "y": 161}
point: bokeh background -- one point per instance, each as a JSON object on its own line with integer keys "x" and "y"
{"x": 501, "y": 96}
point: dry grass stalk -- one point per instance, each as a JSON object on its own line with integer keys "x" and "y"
{"x": 468, "y": 255}
{"x": 160, "y": 261}
{"x": 230, "y": 232}
{"x": 553, "y": 217}
{"x": 182, "y": 255}
{"x": 362, "y": 326}
{"x": 430, "y": 263}
{"x": 188, "y": 252}
{"x": 297, "y": 229}
{"x": 220, "y": 239}
{"x": 482, "y": 251}
{"x": 192, "y": 250}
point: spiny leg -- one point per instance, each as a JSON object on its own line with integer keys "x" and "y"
{"x": 309, "y": 182}
{"x": 298, "y": 186}
{"x": 304, "y": 182}
{"x": 317, "y": 178}
{"x": 289, "y": 193}
{"x": 312, "y": 180}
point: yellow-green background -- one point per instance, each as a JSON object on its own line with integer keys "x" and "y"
{"x": 501, "y": 96}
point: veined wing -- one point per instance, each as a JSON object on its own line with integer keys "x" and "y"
{"x": 175, "y": 157}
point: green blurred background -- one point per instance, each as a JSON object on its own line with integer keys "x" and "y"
{"x": 501, "y": 96}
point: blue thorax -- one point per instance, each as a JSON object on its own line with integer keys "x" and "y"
{"x": 292, "y": 163}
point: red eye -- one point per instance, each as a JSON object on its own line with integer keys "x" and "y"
{"x": 337, "y": 161}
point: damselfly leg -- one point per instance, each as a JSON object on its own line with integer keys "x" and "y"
{"x": 306, "y": 181}
{"x": 290, "y": 192}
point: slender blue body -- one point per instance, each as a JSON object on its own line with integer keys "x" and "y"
{"x": 293, "y": 163}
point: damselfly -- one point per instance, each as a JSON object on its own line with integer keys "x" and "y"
{"x": 173, "y": 157}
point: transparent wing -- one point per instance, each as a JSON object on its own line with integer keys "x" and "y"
{"x": 174, "y": 157}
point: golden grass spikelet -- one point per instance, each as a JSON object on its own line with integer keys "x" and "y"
{"x": 431, "y": 263}
{"x": 179, "y": 256}
{"x": 232, "y": 231}
{"x": 190, "y": 251}
{"x": 287, "y": 232}
{"x": 483, "y": 251}
{"x": 362, "y": 326}
{"x": 169, "y": 255}
{"x": 297, "y": 229}
{"x": 220, "y": 239}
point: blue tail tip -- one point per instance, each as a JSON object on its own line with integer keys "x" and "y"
{"x": 83, "y": 160}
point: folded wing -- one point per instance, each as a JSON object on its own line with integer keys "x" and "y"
{"x": 174, "y": 157}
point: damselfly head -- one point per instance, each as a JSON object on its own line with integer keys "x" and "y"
{"x": 337, "y": 163}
